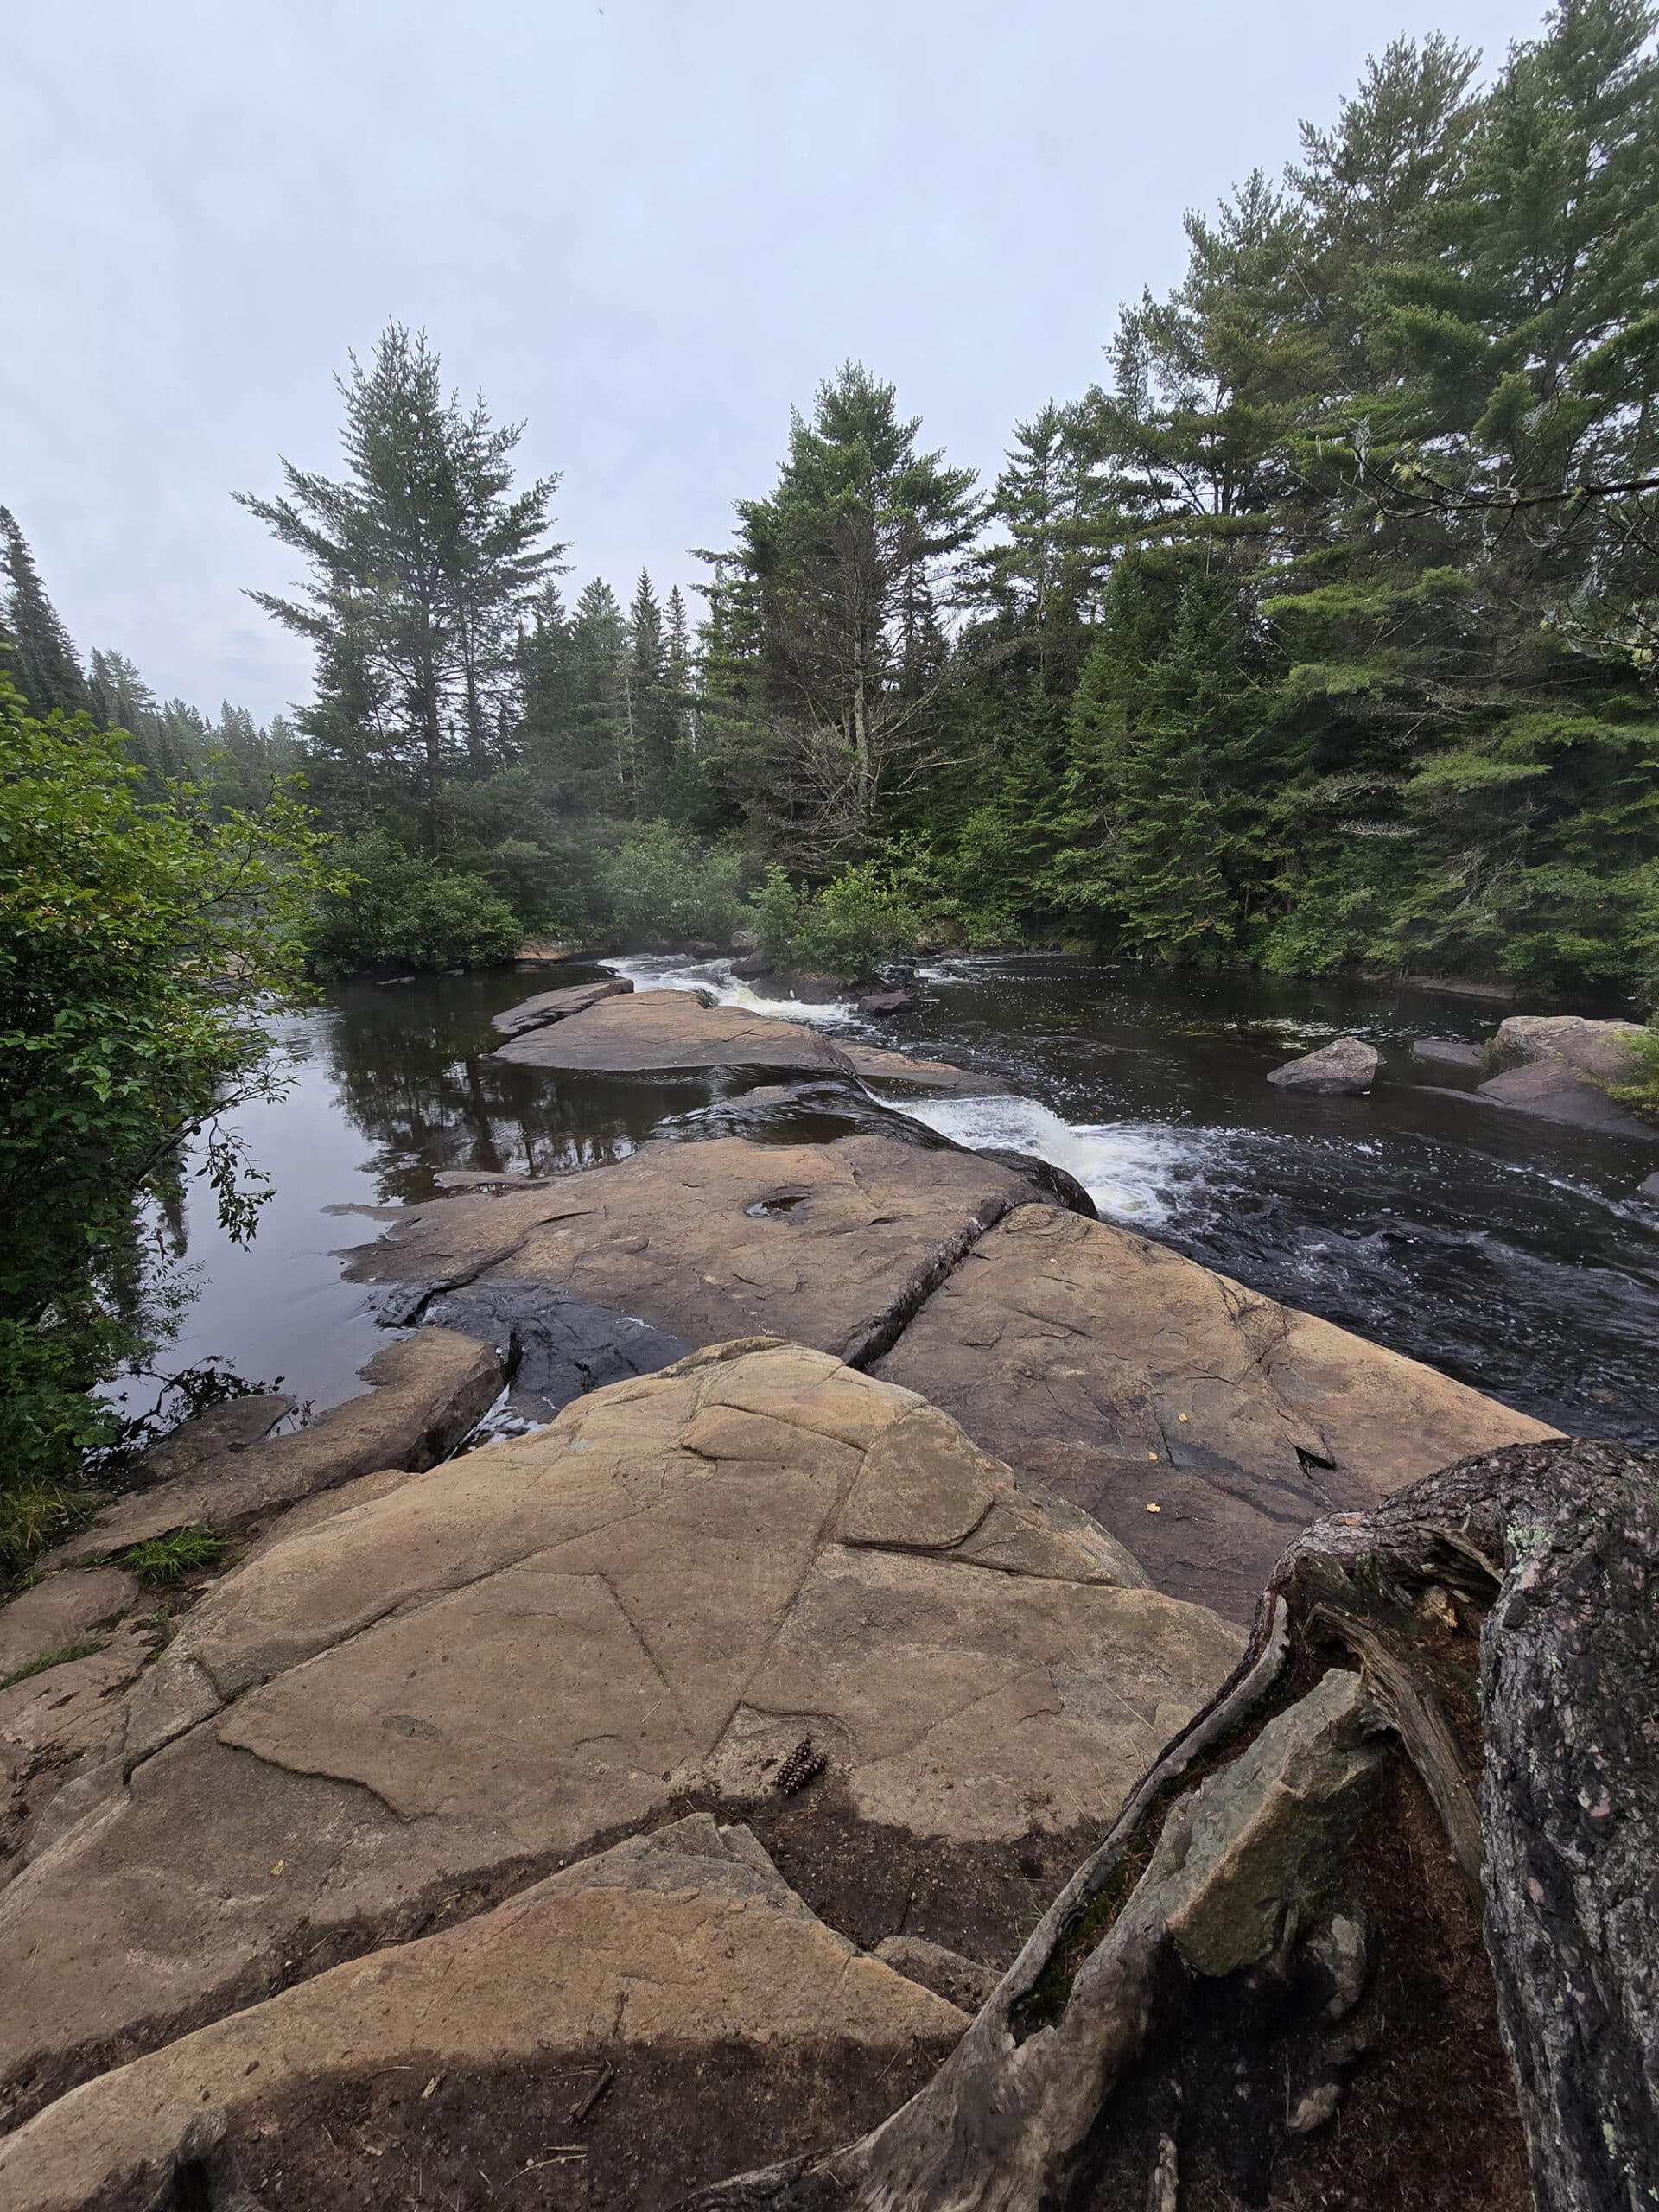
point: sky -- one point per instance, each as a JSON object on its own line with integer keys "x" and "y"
{"x": 646, "y": 228}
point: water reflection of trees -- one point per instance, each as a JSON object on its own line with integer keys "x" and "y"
{"x": 415, "y": 1075}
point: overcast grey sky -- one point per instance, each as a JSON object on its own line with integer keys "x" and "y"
{"x": 647, "y": 227}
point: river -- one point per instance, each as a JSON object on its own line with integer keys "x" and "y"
{"x": 1505, "y": 1250}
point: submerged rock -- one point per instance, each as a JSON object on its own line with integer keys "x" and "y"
{"x": 1448, "y": 1051}
{"x": 1344, "y": 1069}
{"x": 499, "y": 1662}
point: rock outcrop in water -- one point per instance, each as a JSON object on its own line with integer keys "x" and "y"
{"x": 1202, "y": 1424}
{"x": 1346, "y": 1068}
{"x": 616, "y": 1808}
{"x": 660, "y": 1032}
{"x": 1558, "y": 1066}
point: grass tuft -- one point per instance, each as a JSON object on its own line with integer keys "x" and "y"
{"x": 58, "y": 1658}
{"x": 162, "y": 1560}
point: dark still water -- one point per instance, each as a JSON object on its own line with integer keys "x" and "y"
{"x": 1509, "y": 1252}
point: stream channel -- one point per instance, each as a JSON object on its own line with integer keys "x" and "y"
{"x": 1505, "y": 1250}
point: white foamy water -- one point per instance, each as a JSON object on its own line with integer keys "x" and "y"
{"x": 1128, "y": 1168}
{"x": 655, "y": 973}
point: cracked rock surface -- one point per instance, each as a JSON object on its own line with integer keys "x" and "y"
{"x": 1124, "y": 1377}
{"x": 515, "y": 1656}
{"x": 833, "y": 1245}
{"x": 688, "y": 1936}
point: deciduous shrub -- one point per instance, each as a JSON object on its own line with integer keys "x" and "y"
{"x": 399, "y": 911}
{"x": 664, "y": 888}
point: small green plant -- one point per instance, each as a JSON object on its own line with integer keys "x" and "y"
{"x": 161, "y": 1561}
{"x": 58, "y": 1658}
{"x": 1642, "y": 1091}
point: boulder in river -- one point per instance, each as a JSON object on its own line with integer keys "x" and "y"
{"x": 434, "y": 1693}
{"x": 1601, "y": 1049}
{"x": 1649, "y": 1189}
{"x": 1346, "y": 1068}
{"x": 881, "y": 1002}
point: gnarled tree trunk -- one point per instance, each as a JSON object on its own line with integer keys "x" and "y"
{"x": 1489, "y": 1637}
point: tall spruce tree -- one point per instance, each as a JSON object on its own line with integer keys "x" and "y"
{"x": 827, "y": 644}
{"x": 421, "y": 564}
{"x": 44, "y": 665}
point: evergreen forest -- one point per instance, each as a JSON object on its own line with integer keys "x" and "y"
{"x": 1319, "y": 632}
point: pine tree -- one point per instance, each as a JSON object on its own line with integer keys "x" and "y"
{"x": 44, "y": 663}
{"x": 827, "y": 649}
{"x": 420, "y": 566}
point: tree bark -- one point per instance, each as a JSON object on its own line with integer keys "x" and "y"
{"x": 1504, "y": 1616}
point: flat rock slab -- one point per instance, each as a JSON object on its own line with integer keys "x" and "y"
{"x": 430, "y": 1388}
{"x": 549, "y": 1007}
{"x": 1602, "y": 1049}
{"x": 1448, "y": 1051}
{"x": 1555, "y": 1091}
{"x": 833, "y": 1245}
{"x": 505, "y": 1659}
{"x": 1128, "y": 1378}
{"x": 662, "y": 1033}
{"x": 688, "y": 1938}
{"x": 1344, "y": 1069}
{"x": 60, "y": 1611}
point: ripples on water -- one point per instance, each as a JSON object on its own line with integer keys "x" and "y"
{"x": 1507, "y": 1252}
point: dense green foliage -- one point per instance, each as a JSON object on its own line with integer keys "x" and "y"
{"x": 1321, "y": 633}
{"x": 394, "y": 911}
{"x": 137, "y": 936}
{"x": 848, "y": 928}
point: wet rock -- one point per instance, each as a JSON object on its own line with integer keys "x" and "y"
{"x": 814, "y": 988}
{"x": 549, "y": 1007}
{"x": 556, "y": 1345}
{"x": 1448, "y": 1051}
{"x": 688, "y": 1939}
{"x": 908, "y": 1071}
{"x": 208, "y": 1438}
{"x": 881, "y": 1002}
{"x": 749, "y": 967}
{"x": 666, "y": 1031}
{"x": 1649, "y": 1189}
{"x": 661, "y": 1031}
{"x": 834, "y": 1245}
{"x": 1555, "y": 1091}
{"x": 429, "y": 1391}
{"x": 1126, "y": 1378}
{"x": 551, "y": 1639}
{"x": 1344, "y": 1069}
{"x": 60, "y": 1611}
{"x": 1601, "y": 1049}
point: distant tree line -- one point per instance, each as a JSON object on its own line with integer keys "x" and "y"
{"x": 1320, "y": 631}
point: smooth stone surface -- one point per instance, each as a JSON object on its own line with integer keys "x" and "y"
{"x": 1648, "y": 1188}
{"x": 1124, "y": 1377}
{"x": 1346, "y": 1068}
{"x": 60, "y": 1611}
{"x": 688, "y": 1938}
{"x": 661, "y": 1033}
{"x": 879, "y": 1002}
{"x": 550, "y": 1639}
{"x": 555, "y": 1006}
{"x": 645, "y": 1033}
{"x": 833, "y": 1245}
{"x": 1448, "y": 1051}
{"x": 429, "y": 1391}
{"x": 1602, "y": 1049}
{"x": 207, "y": 1439}
{"x": 1554, "y": 1091}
